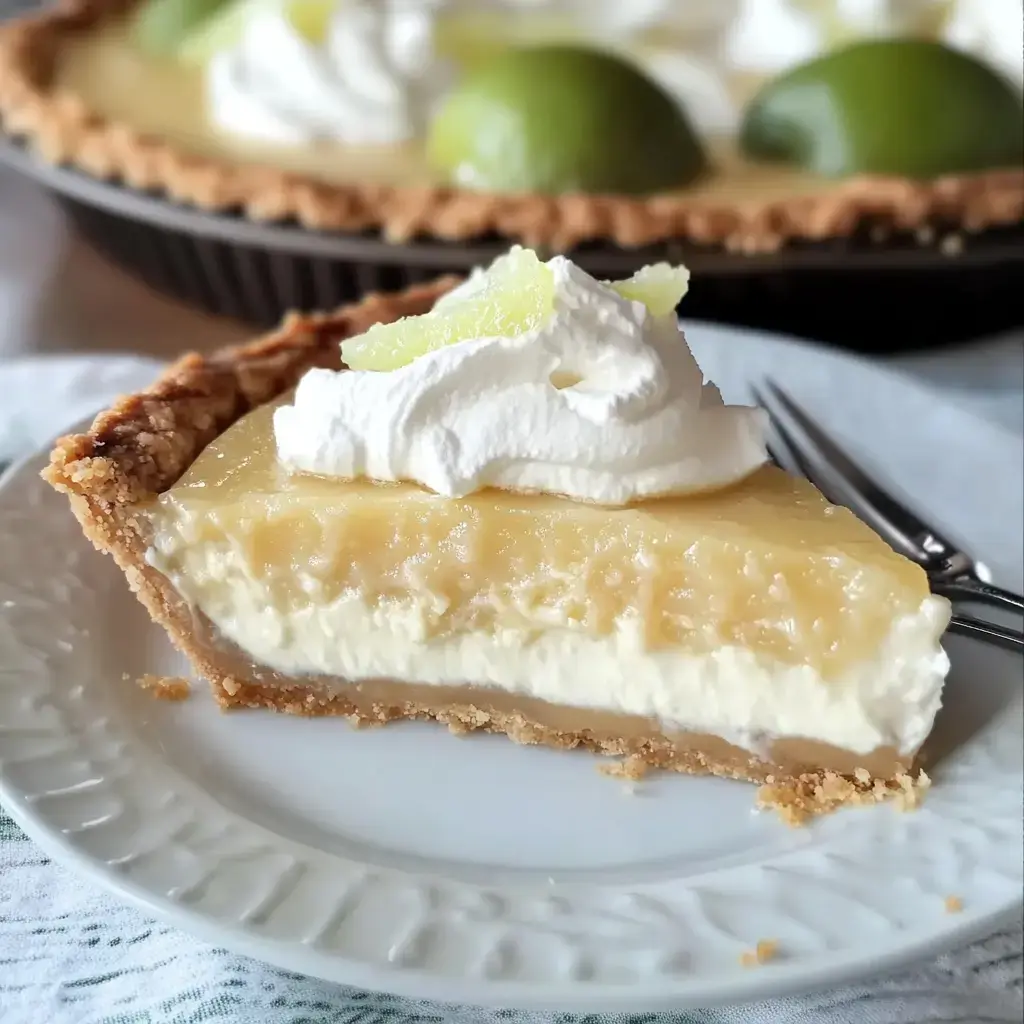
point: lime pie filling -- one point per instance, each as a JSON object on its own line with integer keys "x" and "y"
{"x": 682, "y": 630}
{"x": 750, "y": 610}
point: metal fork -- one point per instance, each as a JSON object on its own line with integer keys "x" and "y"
{"x": 803, "y": 448}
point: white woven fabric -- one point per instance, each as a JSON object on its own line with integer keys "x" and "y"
{"x": 69, "y": 954}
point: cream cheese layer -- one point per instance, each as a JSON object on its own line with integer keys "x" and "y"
{"x": 889, "y": 699}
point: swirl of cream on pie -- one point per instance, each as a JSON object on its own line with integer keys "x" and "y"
{"x": 773, "y": 35}
{"x": 993, "y": 30}
{"x": 603, "y": 402}
{"x": 371, "y": 82}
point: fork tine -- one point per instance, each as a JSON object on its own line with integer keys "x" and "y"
{"x": 842, "y": 481}
{"x": 781, "y": 450}
{"x": 1000, "y": 636}
{"x": 785, "y": 449}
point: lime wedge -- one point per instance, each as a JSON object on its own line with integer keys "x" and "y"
{"x": 903, "y": 107}
{"x": 514, "y": 296}
{"x": 563, "y": 119}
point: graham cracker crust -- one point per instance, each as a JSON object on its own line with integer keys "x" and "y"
{"x": 796, "y": 795}
{"x": 653, "y": 750}
{"x": 62, "y": 129}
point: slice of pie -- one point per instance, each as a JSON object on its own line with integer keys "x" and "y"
{"x": 418, "y": 119}
{"x": 524, "y": 512}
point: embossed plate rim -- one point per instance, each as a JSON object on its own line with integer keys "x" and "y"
{"x": 732, "y": 984}
{"x": 784, "y": 979}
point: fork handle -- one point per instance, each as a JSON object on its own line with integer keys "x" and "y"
{"x": 975, "y": 591}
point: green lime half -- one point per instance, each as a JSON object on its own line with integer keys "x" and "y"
{"x": 161, "y": 25}
{"x": 563, "y": 119}
{"x": 906, "y": 107}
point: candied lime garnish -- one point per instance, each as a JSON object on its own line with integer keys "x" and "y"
{"x": 660, "y": 287}
{"x": 514, "y": 296}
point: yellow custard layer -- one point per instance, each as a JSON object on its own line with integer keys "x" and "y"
{"x": 768, "y": 565}
{"x": 165, "y": 99}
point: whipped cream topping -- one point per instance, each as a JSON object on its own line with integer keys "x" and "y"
{"x": 678, "y": 45}
{"x": 637, "y": 420}
{"x": 773, "y": 35}
{"x": 992, "y": 29}
{"x": 373, "y": 80}
{"x": 770, "y": 35}
{"x": 697, "y": 82}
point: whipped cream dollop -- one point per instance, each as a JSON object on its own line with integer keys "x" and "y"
{"x": 603, "y": 402}
{"x": 770, "y": 35}
{"x": 773, "y": 35}
{"x": 678, "y": 44}
{"x": 992, "y": 29}
{"x": 372, "y": 81}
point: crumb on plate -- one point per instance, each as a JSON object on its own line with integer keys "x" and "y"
{"x": 632, "y": 769}
{"x": 954, "y": 904}
{"x": 165, "y": 687}
{"x": 764, "y": 951}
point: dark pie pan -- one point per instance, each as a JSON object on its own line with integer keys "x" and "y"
{"x": 228, "y": 265}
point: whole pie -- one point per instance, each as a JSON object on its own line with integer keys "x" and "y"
{"x": 417, "y": 119}
{"x": 519, "y": 508}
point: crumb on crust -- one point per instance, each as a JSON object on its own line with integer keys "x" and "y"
{"x": 798, "y": 800}
{"x": 165, "y": 687}
{"x": 762, "y": 953}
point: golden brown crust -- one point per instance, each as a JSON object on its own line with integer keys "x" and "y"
{"x": 654, "y": 751}
{"x": 63, "y": 130}
{"x": 145, "y": 442}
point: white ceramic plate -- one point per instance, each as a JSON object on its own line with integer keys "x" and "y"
{"x": 477, "y": 871}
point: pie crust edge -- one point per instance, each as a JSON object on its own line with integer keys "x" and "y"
{"x": 62, "y": 130}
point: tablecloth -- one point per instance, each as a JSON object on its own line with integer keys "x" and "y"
{"x": 70, "y": 954}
